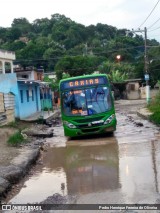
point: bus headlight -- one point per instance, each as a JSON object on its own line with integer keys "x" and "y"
{"x": 70, "y": 125}
{"x": 110, "y": 119}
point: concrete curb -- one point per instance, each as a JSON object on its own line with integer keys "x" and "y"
{"x": 144, "y": 113}
{"x": 19, "y": 167}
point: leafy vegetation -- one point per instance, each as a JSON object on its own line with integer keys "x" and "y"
{"x": 53, "y": 83}
{"x": 78, "y": 65}
{"x": 15, "y": 139}
{"x": 154, "y": 107}
{"x": 116, "y": 76}
{"x": 61, "y": 45}
{"x": 18, "y": 137}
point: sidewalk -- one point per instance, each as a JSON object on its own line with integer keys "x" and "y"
{"x": 45, "y": 115}
{"x": 131, "y": 102}
{"x": 144, "y": 113}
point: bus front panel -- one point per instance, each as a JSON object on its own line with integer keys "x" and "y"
{"x": 88, "y": 111}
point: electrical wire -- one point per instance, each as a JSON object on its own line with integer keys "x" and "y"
{"x": 92, "y": 67}
{"x": 55, "y": 58}
{"x": 149, "y": 14}
{"x": 154, "y": 29}
{"x": 153, "y": 24}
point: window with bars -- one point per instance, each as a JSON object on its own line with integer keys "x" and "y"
{"x": 32, "y": 95}
{"x": 27, "y": 94}
{"x": 21, "y": 95}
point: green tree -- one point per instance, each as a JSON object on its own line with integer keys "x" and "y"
{"x": 13, "y": 33}
{"x": 22, "y": 24}
{"x": 3, "y": 33}
{"x": 53, "y": 83}
{"x": 117, "y": 77}
{"x": 111, "y": 68}
{"x": 51, "y": 40}
{"x": 42, "y": 26}
{"x": 78, "y": 65}
{"x": 15, "y": 46}
{"x": 154, "y": 64}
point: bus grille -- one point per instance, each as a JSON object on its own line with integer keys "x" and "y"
{"x": 90, "y": 130}
{"x": 86, "y": 125}
{"x": 87, "y": 120}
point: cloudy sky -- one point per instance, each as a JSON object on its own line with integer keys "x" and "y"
{"x": 119, "y": 13}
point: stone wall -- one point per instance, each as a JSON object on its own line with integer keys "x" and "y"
{"x": 153, "y": 92}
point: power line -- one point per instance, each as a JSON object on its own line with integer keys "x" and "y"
{"x": 54, "y": 58}
{"x": 154, "y": 29}
{"x": 149, "y": 14}
{"x": 153, "y": 24}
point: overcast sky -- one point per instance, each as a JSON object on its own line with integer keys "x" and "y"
{"x": 119, "y": 13}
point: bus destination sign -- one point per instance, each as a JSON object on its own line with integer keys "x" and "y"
{"x": 83, "y": 82}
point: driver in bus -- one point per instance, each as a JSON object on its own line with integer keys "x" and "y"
{"x": 71, "y": 101}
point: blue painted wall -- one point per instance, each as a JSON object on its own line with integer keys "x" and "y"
{"x": 31, "y": 102}
{"x": 8, "y": 83}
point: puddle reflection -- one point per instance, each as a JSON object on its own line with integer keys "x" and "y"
{"x": 92, "y": 168}
{"x": 40, "y": 186}
{"x": 74, "y": 169}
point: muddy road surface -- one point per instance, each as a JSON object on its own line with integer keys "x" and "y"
{"x": 120, "y": 169}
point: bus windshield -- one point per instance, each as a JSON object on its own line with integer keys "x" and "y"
{"x": 88, "y": 101}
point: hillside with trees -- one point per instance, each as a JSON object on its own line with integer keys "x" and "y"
{"x": 61, "y": 45}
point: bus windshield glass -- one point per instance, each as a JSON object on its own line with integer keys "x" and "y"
{"x": 88, "y": 101}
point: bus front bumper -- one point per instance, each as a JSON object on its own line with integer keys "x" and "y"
{"x": 73, "y": 132}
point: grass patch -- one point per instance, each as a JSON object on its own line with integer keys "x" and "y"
{"x": 155, "y": 118}
{"x": 154, "y": 107}
{"x": 48, "y": 109}
{"x": 15, "y": 139}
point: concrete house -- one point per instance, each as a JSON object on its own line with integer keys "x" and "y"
{"x": 28, "y": 98}
{"x": 6, "y": 61}
{"x": 133, "y": 89}
{"x": 28, "y": 82}
{"x": 8, "y": 88}
{"x": 21, "y": 90}
{"x": 23, "y": 86}
{"x": 34, "y": 94}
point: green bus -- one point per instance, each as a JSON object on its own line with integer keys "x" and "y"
{"x": 87, "y": 105}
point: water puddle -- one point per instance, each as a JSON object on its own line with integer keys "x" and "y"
{"x": 124, "y": 168}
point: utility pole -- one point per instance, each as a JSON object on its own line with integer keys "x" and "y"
{"x": 146, "y": 67}
{"x": 146, "y": 74}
